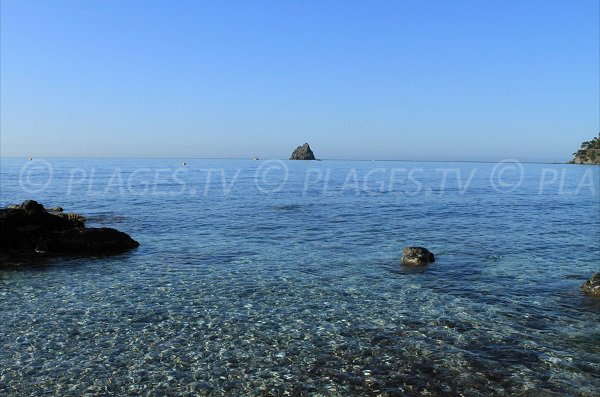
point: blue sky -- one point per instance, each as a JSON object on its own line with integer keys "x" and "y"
{"x": 419, "y": 80}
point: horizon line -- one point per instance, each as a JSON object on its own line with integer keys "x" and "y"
{"x": 284, "y": 159}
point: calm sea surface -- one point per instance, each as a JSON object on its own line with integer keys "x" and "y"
{"x": 283, "y": 278}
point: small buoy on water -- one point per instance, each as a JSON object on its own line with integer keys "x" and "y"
{"x": 30, "y": 159}
{"x": 184, "y": 163}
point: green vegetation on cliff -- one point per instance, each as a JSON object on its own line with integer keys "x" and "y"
{"x": 589, "y": 152}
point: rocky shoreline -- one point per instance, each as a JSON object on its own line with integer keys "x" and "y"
{"x": 29, "y": 231}
{"x": 589, "y": 152}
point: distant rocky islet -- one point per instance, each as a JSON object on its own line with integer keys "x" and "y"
{"x": 303, "y": 152}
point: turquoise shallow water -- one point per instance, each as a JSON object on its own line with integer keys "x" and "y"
{"x": 283, "y": 278}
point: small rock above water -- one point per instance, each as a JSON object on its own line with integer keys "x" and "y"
{"x": 303, "y": 153}
{"x": 592, "y": 286}
{"x": 29, "y": 231}
{"x": 417, "y": 256}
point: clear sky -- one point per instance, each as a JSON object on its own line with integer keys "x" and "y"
{"x": 432, "y": 80}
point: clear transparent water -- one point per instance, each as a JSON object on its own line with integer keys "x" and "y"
{"x": 236, "y": 290}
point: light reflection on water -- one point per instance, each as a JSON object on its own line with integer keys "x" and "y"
{"x": 302, "y": 294}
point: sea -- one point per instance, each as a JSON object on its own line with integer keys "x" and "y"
{"x": 283, "y": 278}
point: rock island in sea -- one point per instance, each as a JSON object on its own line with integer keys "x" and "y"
{"x": 303, "y": 153}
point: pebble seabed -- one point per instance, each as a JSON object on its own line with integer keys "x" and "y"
{"x": 230, "y": 331}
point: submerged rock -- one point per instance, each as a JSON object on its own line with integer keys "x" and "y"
{"x": 29, "y": 230}
{"x": 303, "y": 153}
{"x": 417, "y": 256}
{"x": 592, "y": 286}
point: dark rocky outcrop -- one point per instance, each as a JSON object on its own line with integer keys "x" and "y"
{"x": 417, "y": 256}
{"x": 592, "y": 286}
{"x": 29, "y": 231}
{"x": 303, "y": 153}
{"x": 589, "y": 152}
